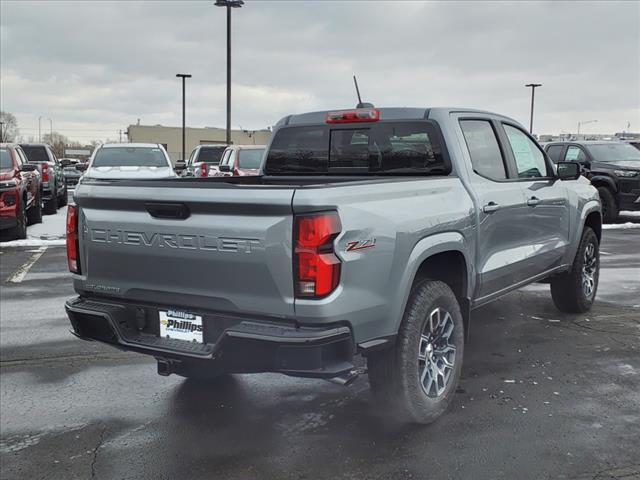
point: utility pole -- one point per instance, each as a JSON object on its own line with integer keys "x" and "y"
{"x": 587, "y": 122}
{"x": 1, "y": 132}
{"x": 120, "y": 133}
{"x": 39, "y": 129}
{"x": 50, "y": 130}
{"x": 184, "y": 76}
{"x": 229, "y": 4}
{"x": 533, "y": 94}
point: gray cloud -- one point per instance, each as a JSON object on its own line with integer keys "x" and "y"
{"x": 93, "y": 66}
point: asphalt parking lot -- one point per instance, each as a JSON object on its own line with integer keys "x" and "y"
{"x": 543, "y": 395}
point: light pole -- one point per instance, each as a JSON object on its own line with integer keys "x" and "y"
{"x": 533, "y": 94}
{"x": 184, "y": 76}
{"x": 229, "y": 4}
{"x": 1, "y": 132}
{"x": 50, "y": 130}
{"x": 39, "y": 129}
{"x": 587, "y": 122}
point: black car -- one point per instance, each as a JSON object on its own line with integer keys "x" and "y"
{"x": 612, "y": 167}
{"x": 54, "y": 186}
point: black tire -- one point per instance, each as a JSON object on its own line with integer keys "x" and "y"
{"x": 396, "y": 376}
{"x": 51, "y": 206}
{"x": 19, "y": 232}
{"x": 62, "y": 199}
{"x": 568, "y": 290}
{"x": 34, "y": 215}
{"x": 609, "y": 206}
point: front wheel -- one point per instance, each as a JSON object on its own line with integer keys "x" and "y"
{"x": 51, "y": 205}
{"x": 35, "y": 213}
{"x": 19, "y": 232}
{"x": 575, "y": 291}
{"x": 418, "y": 377}
{"x": 609, "y": 206}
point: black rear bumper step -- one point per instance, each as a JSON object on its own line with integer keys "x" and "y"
{"x": 244, "y": 347}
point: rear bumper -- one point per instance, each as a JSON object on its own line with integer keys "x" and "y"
{"x": 233, "y": 344}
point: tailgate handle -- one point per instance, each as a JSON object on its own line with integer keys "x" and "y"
{"x": 175, "y": 211}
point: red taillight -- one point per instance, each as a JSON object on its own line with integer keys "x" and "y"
{"x": 354, "y": 116}
{"x": 45, "y": 172}
{"x": 204, "y": 170}
{"x": 72, "y": 239}
{"x": 316, "y": 268}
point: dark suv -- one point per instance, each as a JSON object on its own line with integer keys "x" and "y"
{"x": 612, "y": 167}
{"x": 54, "y": 186}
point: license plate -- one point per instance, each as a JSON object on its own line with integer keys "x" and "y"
{"x": 181, "y": 325}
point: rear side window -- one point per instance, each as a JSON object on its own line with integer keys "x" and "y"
{"x": 5, "y": 158}
{"x": 35, "y": 154}
{"x": 554, "y": 152}
{"x": 130, "y": 157}
{"x": 484, "y": 150}
{"x": 250, "y": 158}
{"x": 211, "y": 155}
{"x": 405, "y": 148}
{"x": 529, "y": 159}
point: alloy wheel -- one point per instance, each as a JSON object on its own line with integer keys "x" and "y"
{"x": 436, "y": 353}
{"x": 589, "y": 270}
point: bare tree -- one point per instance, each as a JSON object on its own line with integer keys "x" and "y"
{"x": 57, "y": 141}
{"x": 9, "y": 127}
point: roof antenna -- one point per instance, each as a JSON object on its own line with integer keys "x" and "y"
{"x": 360, "y": 104}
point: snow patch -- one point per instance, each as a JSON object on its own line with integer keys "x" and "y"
{"x": 51, "y": 232}
{"x": 620, "y": 226}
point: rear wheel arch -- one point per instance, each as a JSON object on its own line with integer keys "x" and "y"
{"x": 606, "y": 182}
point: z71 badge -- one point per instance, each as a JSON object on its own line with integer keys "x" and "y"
{"x": 360, "y": 245}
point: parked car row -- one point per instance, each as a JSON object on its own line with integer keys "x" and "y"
{"x": 222, "y": 161}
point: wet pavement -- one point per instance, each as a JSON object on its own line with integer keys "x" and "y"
{"x": 543, "y": 395}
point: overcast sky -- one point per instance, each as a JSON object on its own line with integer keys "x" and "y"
{"x": 96, "y": 67}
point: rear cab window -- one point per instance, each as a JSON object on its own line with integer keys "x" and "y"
{"x": 130, "y": 157}
{"x": 211, "y": 155}
{"x": 37, "y": 154}
{"x": 380, "y": 148}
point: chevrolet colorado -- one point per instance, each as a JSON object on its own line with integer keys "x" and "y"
{"x": 371, "y": 232}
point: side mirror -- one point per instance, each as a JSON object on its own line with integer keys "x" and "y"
{"x": 224, "y": 168}
{"x": 81, "y": 167}
{"x": 29, "y": 167}
{"x": 179, "y": 166}
{"x": 568, "y": 170}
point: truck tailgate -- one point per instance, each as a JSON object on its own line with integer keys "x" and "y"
{"x": 222, "y": 248}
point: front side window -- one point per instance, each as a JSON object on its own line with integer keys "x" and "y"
{"x": 554, "y": 152}
{"x": 575, "y": 154}
{"x": 484, "y": 150}
{"x": 529, "y": 159}
{"x": 130, "y": 157}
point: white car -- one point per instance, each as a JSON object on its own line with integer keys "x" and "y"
{"x": 130, "y": 160}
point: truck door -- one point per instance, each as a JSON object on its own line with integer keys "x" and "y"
{"x": 502, "y": 243}
{"x": 545, "y": 215}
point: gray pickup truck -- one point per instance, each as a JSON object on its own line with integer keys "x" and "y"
{"x": 371, "y": 232}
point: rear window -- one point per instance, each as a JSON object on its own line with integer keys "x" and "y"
{"x": 130, "y": 157}
{"x": 404, "y": 148}
{"x": 211, "y": 154}
{"x": 35, "y": 154}
{"x": 251, "y": 158}
{"x": 5, "y": 158}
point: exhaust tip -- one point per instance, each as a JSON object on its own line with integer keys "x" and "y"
{"x": 348, "y": 378}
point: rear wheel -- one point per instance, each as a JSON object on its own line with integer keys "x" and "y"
{"x": 35, "y": 213}
{"x": 574, "y": 291}
{"x": 417, "y": 378}
{"x": 609, "y": 206}
{"x": 51, "y": 205}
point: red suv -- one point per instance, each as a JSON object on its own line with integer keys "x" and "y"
{"x": 240, "y": 161}
{"x": 20, "y": 191}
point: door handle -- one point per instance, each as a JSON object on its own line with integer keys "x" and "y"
{"x": 533, "y": 201}
{"x": 491, "y": 207}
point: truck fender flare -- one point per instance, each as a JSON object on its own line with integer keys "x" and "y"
{"x": 425, "y": 248}
{"x": 589, "y": 207}
{"x": 603, "y": 180}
